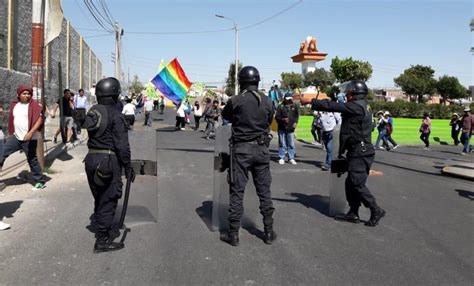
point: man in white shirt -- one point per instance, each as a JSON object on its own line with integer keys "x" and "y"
{"x": 129, "y": 113}
{"x": 25, "y": 119}
{"x": 148, "y": 109}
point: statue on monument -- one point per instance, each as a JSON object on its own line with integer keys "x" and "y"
{"x": 308, "y": 46}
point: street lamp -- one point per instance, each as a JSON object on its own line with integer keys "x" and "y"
{"x": 236, "y": 28}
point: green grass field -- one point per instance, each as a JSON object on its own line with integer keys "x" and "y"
{"x": 405, "y": 130}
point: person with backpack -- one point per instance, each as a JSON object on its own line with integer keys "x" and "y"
{"x": 389, "y": 130}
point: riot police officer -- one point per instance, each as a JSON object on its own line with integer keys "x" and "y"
{"x": 109, "y": 152}
{"x": 355, "y": 139}
{"x": 251, "y": 115}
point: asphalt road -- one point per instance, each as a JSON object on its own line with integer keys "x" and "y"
{"x": 425, "y": 239}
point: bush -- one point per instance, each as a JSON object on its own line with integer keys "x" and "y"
{"x": 400, "y": 108}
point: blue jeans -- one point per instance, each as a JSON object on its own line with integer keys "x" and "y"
{"x": 465, "y": 138}
{"x": 327, "y": 141}
{"x": 382, "y": 136}
{"x": 29, "y": 148}
{"x": 286, "y": 143}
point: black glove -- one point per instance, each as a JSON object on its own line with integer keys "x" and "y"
{"x": 130, "y": 173}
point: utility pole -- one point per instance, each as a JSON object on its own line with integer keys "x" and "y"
{"x": 118, "y": 55}
{"x": 37, "y": 65}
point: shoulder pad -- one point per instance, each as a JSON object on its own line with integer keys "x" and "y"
{"x": 100, "y": 115}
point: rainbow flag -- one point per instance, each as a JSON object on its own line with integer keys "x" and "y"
{"x": 172, "y": 82}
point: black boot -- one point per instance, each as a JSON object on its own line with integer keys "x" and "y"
{"x": 104, "y": 243}
{"x": 376, "y": 214}
{"x": 230, "y": 237}
{"x": 269, "y": 236}
{"x": 351, "y": 216}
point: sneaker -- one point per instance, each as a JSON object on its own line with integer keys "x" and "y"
{"x": 4, "y": 226}
{"x": 281, "y": 162}
{"x": 182, "y": 129}
{"x": 426, "y": 148}
{"x": 395, "y": 147}
{"x": 324, "y": 168}
{"x": 38, "y": 186}
{"x": 381, "y": 148}
{"x": 316, "y": 143}
{"x": 293, "y": 162}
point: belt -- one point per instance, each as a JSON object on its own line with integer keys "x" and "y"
{"x": 101, "y": 151}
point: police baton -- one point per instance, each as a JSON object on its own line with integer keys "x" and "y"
{"x": 130, "y": 179}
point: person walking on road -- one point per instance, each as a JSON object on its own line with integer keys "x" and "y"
{"x": 148, "y": 107}
{"x": 355, "y": 142}
{"x": 389, "y": 130}
{"x": 287, "y": 118}
{"x": 381, "y": 128}
{"x": 425, "y": 130}
{"x": 329, "y": 120}
{"x": 316, "y": 128}
{"x": 128, "y": 112}
{"x": 80, "y": 106}
{"x": 109, "y": 152}
{"x": 161, "y": 104}
{"x": 250, "y": 114}
{"x": 467, "y": 130}
{"x": 197, "y": 109}
{"x": 66, "y": 117}
{"x": 456, "y": 125}
{"x": 212, "y": 116}
{"x": 24, "y": 122}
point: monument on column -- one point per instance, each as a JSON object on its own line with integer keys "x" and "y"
{"x": 308, "y": 55}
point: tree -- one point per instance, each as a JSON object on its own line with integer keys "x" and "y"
{"x": 417, "y": 81}
{"x": 136, "y": 86}
{"x": 321, "y": 79}
{"x": 230, "y": 80}
{"x": 349, "y": 69}
{"x": 291, "y": 80}
{"x": 449, "y": 87}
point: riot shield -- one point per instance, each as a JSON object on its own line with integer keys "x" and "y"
{"x": 220, "y": 198}
{"x": 337, "y": 198}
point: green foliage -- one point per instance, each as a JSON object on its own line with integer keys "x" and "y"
{"x": 450, "y": 88}
{"x": 417, "y": 81}
{"x": 136, "y": 86}
{"x": 291, "y": 80}
{"x": 230, "y": 80}
{"x": 400, "y": 108}
{"x": 349, "y": 69}
{"x": 320, "y": 78}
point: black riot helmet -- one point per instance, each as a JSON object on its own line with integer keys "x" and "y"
{"x": 248, "y": 75}
{"x": 108, "y": 87}
{"x": 356, "y": 88}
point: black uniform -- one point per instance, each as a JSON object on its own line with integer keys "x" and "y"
{"x": 108, "y": 153}
{"x": 251, "y": 118}
{"x": 355, "y": 138}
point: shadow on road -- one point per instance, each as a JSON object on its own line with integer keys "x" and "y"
{"x": 24, "y": 177}
{"x": 316, "y": 202}
{"x": 188, "y": 150}
{"x": 466, "y": 194}
{"x": 205, "y": 213}
{"x": 9, "y": 208}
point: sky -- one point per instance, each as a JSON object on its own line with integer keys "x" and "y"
{"x": 390, "y": 35}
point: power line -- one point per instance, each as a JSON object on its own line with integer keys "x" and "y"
{"x": 273, "y": 16}
{"x": 98, "y": 16}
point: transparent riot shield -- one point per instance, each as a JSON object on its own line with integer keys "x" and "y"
{"x": 337, "y": 197}
{"x": 141, "y": 206}
{"x": 220, "y": 198}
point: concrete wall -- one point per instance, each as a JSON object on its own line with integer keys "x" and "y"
{"x": 20, "y": 73}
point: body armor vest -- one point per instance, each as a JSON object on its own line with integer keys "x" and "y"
{"x": 356, "y": 131}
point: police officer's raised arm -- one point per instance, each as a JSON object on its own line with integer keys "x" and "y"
{"x": 327, "y": 105}
{"x": 227, "y": 112}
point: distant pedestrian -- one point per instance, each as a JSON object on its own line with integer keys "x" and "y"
{"x": 212, "y": 116}
{"x": 161, "y": 104}
{"x": 197, "y": 109}
{"x": 24, "y": 122}
{"x": 155, "y": 104}
{"x": 148, "y": 107}
{"x": 382, "y": 130}
{"x": 80, "y": 107}
{"x": 467, "y": 130}
{"x": 287, "y": 116}
{"x": 187, "y": 111}
{"x": 329, "y": 120}
{"x": 425, "y": 130}
{"x": 129, "y": 113}
{"x": 316, "y": 128}
{"x": 67, "y": 121}
{"x": 389, "y": 130}
{"x": 456, "y": 125}
{"x": 180, "y": 121}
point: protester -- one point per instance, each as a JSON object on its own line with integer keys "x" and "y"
{"x": 212, "y": 117}
{"x": 80, "y": 107}
{"x": 197, "y": 109}
{"x": 456, "y": 125}
{"x": 187, "y": 111}
{"x": 316, "y": 128}
{"x": 425, "y": 130}
{"x": 24, "y": 122}
{"x": 67, "y": 119}
{"x": 129, "y": 113}
{"x": 467, "y": 130}
{"x": 180, "y": 121}
{"x": 389, "y": 130}
{"x": 329, "y": 120}
{"x": 161, "y": 104}
{"x": 148, "y": 107}
{"x": 155, "y": 104}
{"x": 381, "y": 123}
{"x": 287, "y": 118}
